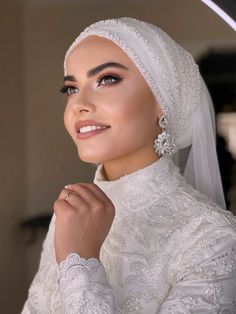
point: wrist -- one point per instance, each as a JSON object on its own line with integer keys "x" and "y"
{"x": 83, "y": 254}
{"x": 75, "y": 261}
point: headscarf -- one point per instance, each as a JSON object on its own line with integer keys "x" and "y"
{"x": 175, "y": 81}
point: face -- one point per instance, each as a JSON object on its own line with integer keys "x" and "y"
{"x": 103, "y": 85}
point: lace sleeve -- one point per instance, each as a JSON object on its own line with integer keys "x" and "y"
{"x": 208, "y": 288}
{"x": 84, "y": 287}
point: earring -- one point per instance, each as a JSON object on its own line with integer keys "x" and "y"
{"x": 164, "y": 145}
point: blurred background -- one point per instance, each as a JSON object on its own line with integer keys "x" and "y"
{"x": 37, "y": 156}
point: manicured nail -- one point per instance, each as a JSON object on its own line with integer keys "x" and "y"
{"x": 68, "y": 186}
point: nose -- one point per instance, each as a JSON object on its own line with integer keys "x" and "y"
{"x": 83, "y": 103}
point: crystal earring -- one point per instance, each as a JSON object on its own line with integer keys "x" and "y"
{"x": 164, "y": 145}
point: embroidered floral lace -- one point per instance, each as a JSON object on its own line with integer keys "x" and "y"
{"x": 170, "y": 250}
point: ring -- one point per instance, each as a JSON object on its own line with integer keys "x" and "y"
{"x": 67, "y": 196}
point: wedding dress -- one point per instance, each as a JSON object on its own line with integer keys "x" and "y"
{"x": 170, "y": 249}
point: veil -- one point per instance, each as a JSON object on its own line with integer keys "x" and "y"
{"x": 198, "y": 163}
{"x": 174, "y": 78}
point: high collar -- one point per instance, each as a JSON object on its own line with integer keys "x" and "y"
{"x": 141, "y": 186}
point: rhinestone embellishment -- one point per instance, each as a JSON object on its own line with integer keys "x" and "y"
{"x": 164, "y": 145}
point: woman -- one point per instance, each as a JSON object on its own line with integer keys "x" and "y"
{"x": 148, "y": 236}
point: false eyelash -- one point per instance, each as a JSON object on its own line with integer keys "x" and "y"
{"x": 64, "y": 89}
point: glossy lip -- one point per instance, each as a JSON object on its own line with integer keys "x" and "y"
{"x": 82, "y": 123}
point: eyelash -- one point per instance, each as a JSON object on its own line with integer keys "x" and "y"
{"x": 109, "y": 75}
{"x": 66, "y": 89}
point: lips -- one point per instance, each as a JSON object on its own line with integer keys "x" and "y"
{"x": 84, "y": 123}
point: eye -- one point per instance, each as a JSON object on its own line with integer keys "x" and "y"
{"x": 108, "y": 80}
{"x": 69, "y": 90}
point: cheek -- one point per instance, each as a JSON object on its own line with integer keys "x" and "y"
{"x": 66, "y": 119}
{"x": 135, "y": 114}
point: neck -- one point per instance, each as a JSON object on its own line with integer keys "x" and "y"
{"x": 115, "y": 169}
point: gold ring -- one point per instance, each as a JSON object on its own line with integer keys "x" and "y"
{"x": 67, "y": 196}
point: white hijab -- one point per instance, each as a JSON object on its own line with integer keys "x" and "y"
{"x": 174, "y": 78}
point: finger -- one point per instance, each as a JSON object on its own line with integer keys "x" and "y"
{"x": 64, "y": 194}
{"x": 72, "y": 198}
{"x": 88, "y": 195}
{"x": 93, "y": 188}
{"x": 60, "y": 206}
{"x": 99, "y": 192}
{"x": 76, "y": 201}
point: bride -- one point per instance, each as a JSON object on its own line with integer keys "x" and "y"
{"x": 151, "y": 234}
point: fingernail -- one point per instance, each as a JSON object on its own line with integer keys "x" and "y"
{"x": 68, "y": 186}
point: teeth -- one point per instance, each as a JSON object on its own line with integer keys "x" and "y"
{"x": 89, "y": 128}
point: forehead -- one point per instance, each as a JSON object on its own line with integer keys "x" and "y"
{"x": 95, "y": 50}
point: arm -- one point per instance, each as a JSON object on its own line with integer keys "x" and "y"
{"x": 84, "y": 287}
{"x": 84, "y": 215}
{"x": 208, "y": 287}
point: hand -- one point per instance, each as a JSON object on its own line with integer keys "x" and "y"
{"x": 83, "y": 221}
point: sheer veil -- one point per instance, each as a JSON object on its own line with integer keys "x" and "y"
{"x": 199, "y": 163}
{"x": 174, "y": 78}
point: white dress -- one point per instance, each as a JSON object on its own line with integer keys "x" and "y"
{"x": 170, "y": 250}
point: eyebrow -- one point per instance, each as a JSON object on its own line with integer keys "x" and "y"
{"x": 70, "y": 78}
{"x": 96, "y": 70}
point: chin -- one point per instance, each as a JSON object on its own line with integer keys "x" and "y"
{"x": 90, "y": 158}
{"x": 98, "y": 156}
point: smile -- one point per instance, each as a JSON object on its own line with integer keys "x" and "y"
{"x": 90, "y": 130}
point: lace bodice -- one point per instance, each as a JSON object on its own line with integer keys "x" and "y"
{"x": 170, "y": 250}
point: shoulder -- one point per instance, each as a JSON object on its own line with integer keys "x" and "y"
{"x": 194, "y": 207}
{"x": 190, "y": 215}
{"x": 204, "y": 231}
{"x": 201, "y": 209}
